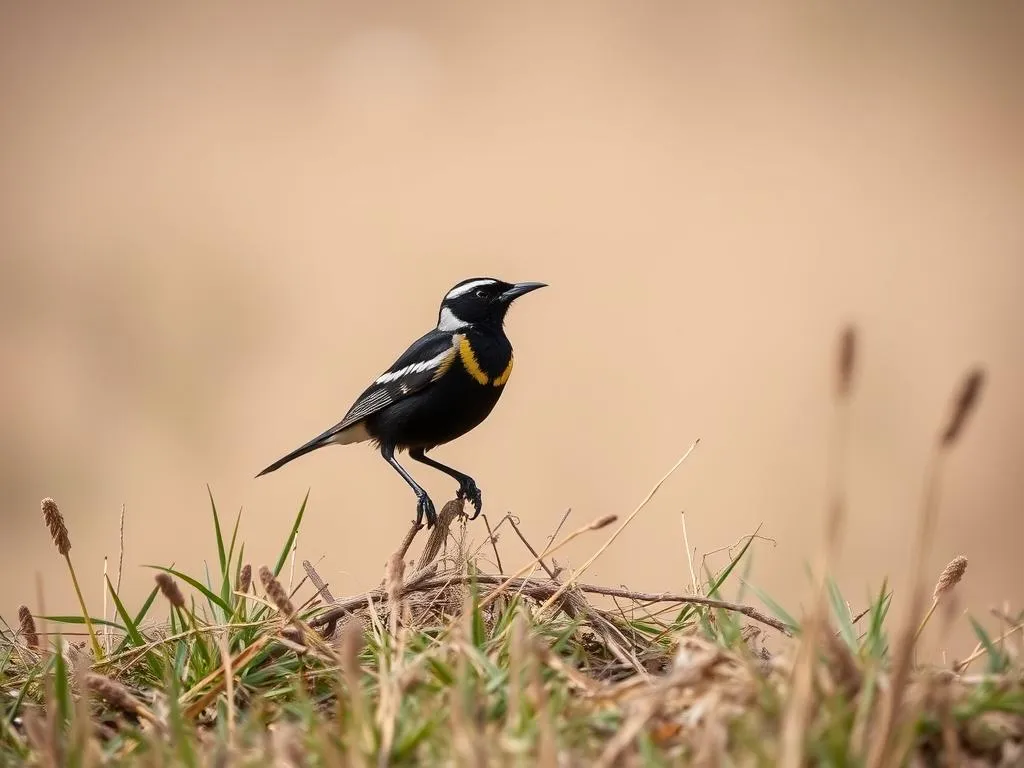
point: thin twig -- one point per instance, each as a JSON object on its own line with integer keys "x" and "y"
{"x": 529, "y": 546}
{"x": 321, "y": 587}
{"x": 494, "y": 544}
{"x": 120, "y": 553}
{"x": 689, "y": 556}
{"x": 539, "y": 589}
{"x": 558, "y": 528}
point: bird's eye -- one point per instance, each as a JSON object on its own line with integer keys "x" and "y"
{"x": 483, "y": 293}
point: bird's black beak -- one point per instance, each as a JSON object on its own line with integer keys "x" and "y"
{"x": 518, "y": 290}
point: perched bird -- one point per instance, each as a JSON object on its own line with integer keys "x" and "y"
{"x": 443, "y": 385}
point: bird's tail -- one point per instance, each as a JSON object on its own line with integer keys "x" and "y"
{"x": 352, "y": 433}
{"x": 312, "y": 445}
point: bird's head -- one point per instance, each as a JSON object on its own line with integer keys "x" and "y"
{"x": 479, "y": 301}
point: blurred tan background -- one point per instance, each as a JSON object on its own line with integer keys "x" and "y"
{"x": 217, "y": 225}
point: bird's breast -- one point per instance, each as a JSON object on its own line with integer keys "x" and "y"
{"x": 487, "y": 361}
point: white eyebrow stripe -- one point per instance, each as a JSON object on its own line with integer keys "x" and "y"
{"x": 460, "y": 290}
{"x": 449, "y": 321}
{"x": 424, "y": 365}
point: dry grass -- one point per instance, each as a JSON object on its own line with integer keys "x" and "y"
{"x": 446, "y": 662}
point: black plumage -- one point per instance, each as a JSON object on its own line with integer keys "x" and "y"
{"x": 445, "y": 384}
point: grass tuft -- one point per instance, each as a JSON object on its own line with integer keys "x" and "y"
{"x": 454, "y": 659}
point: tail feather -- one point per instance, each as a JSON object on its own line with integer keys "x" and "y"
{"x": 352, "y": 434}
{"x": 312, "y": 445}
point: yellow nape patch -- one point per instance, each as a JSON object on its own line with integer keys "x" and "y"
{"x": 500, "y": 380}
{"x": 470, "y": 362}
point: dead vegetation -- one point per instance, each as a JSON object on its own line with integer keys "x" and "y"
{"x": 456, "y": 659}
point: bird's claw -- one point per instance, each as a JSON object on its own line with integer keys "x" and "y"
{"x": 425, "y": 508}
{"x": 469, "y": 492}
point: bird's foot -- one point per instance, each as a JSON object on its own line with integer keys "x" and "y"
{"x": 425, "y": 508}
{"x": 469, "y": 492}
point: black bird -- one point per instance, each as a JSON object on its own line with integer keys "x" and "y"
{"x": 443, "y": 385}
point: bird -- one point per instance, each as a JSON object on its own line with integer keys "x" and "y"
{"x": 444, "y": 385}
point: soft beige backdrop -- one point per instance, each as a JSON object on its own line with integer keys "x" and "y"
{"x": 218, "y": 223}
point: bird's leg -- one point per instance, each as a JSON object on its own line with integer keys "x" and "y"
{"x": 424, "y": 506}
{"x": 467, "y": 486}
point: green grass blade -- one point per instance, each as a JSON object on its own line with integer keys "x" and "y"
{"x": 221, "y": 553}
{"x": 291, "y": 537}
{"x": 62, "y": 683}
{"x": 82, "y": 620}
{"x": 715, "y": 583}
{"x": 846, "y": 630}
{"x": 997, "y": 661}
{"x": 780, "y": 613}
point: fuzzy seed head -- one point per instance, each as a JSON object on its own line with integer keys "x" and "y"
{"x": 966, "y": 402}
{"x": 113, "y": 692}
{"x": 847, "y": 360}
{"x": 55, "y": 522}
{"x": 951, "y": 576}
{"x": 27, "y": 626}
{"x": 603, "y": 522}
{"x": 276, "y": 592}
{"x": 245, "y": 578}
{"x": 170, "y": 589}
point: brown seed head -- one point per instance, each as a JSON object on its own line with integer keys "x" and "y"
{"x": 113, "y": 692}
{"x": 245, "y": 578}
{"x": 276, "y": 592}
{"x": 170, "y": 589}
{"x": 951, "y": 576}
{"x": 28, "y": 627}
{"x": 847, "y": 360}
{"x": 55, "y": 522}
{"x": 965, "y": 403}
{"x": 603, "y": 522}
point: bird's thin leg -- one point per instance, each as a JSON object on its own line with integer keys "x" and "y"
{"x": 467, "y": 486}
{"x": 424, "y": 506}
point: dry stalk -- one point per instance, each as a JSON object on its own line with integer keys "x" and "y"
{"x": 351, "y": 643}
{"x": 394, "y": 573}
{"x": 596, "y": 525}
{"x": 964, "y": 404}
{"x": 620, "y": 529}
{"x": 540, "y": 589}
{"x": 494, "y": 545}
{"x": 547, "y": 746}
{"x": 215, "y": 682}
{"x": 318, "y": 583}
{"x": 59, "y": 533}
{"x": 800, "y": 707}
{"x": 229, "y": 684}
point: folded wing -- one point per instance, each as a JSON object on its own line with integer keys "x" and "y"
{"x": 425, "y": 361}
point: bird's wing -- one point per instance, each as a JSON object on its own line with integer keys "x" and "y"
{"x": 425, "y": 361}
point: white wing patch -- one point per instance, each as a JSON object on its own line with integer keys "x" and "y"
{"x": 425, "y": 365}
{"x": 372, "y": 402}
{"x": 465, "y": 288}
